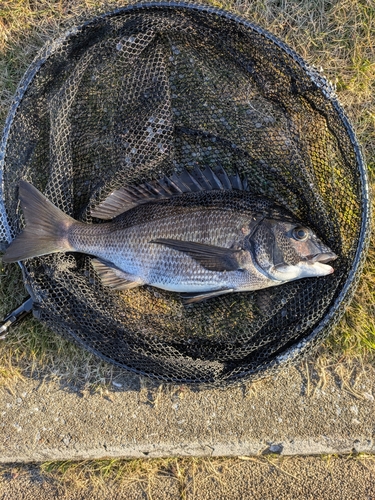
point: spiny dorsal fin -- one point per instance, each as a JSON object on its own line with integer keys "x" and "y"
{"x": 125, "y": 198}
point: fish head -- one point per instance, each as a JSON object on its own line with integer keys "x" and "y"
{"x": 287, "y": 250}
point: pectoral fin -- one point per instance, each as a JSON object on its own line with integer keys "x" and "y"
{"x": 211, "y": 257}
{"x": 113, "y": 277}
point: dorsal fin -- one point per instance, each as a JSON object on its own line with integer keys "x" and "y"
{"x": 125, "y": 198}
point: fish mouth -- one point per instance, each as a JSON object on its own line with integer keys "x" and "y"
{"x": 323, "y": 258}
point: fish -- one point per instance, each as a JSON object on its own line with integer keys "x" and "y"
{"x": 201, "y": 233}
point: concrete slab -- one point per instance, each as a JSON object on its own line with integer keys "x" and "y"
{"x": 296, "y": 413}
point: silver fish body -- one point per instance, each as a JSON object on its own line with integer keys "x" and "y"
{"x": 204, "y": 242}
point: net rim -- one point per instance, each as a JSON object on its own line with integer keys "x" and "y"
{"x": 336, "y": 310}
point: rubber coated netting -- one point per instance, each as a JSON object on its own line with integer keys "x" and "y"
{"x": 147, "y": 91}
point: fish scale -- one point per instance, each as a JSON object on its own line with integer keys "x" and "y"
{"x": 128, "y": 246}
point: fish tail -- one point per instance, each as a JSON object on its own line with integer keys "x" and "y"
{"x": 46, "y": 228}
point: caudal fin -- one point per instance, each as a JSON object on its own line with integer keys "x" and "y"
{"x": 46, "y": 227}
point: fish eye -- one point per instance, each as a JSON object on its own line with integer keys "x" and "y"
{"x": 300, "y": 233}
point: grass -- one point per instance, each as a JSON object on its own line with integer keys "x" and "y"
{"x": 337, "y": 36}
{"x": 147, "y": 473}
{"x": 190, "y": 477}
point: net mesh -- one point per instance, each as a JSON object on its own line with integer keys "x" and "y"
{"x": 152, "y": 89}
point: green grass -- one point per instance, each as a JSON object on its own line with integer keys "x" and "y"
{"x": 355, "y": 335}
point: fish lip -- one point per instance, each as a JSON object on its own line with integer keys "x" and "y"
{"x": 323, "y": 258}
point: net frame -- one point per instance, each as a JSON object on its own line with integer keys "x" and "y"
{"x": 335, "y": 311}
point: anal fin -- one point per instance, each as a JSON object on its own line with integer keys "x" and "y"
{"x": 194, "y": 298}
{"x": 113, "y": 277}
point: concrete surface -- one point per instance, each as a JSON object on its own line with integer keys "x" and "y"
{"x": 300, "y": 412}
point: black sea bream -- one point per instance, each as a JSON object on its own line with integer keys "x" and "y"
{"x": 200, "y": 233}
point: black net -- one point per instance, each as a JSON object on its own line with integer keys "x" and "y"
{"x": 150, "y": 90}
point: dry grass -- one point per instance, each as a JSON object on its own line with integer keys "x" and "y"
{"x": 191, "y": 476}
{"x": 184, "y": 472}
